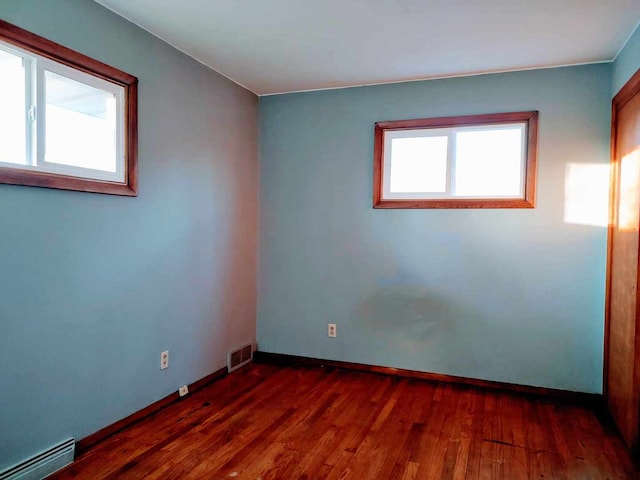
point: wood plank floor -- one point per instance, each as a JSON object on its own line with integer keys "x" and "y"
{"x": 270, "y": 422}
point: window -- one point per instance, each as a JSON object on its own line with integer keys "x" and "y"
{"x": 479, "y": 161}
{"x": 66, "y": 121}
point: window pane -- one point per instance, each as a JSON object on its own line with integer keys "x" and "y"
{"x": 418, "y": 164}
{"x": 489, "y": 162}
{"x": 80, "y": 124}
{"x": 13, "y": 146}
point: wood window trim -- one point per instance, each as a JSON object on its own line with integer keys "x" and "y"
{"x": 531, "y": 119}
{"x": 41, "y": 46}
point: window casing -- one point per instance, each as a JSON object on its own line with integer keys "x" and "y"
{"x": 70, "y": 121}
{"x": 479, "y": 161}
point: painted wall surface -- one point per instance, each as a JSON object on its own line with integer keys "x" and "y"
{"x": 93, "y": 287}
{"x": 627, "y": 62}
{"x": 506, "y": 295}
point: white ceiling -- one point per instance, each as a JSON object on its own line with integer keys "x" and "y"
{"x": 276, "y": 46}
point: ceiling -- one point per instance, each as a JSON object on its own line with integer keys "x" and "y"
{"x": 277, "y": 46}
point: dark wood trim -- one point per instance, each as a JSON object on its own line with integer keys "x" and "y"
{"x": 529, "y": 200}
{"x": 15, "y": 176}
{"x": 456, "y": 203}
{"x": 58, "y": 53}
{"x": 531, "y": 175}
{"x": 36, "y": 44}
{"x": 131, "y": 139}
{"x": 626, "y": 93}
{"x": 613, "y": 182}
{"x": 87, "y": 442}
{"x": 459, "y": 121}
{"x": 378, "y": 164}
{"x": 283, "y": 359}
{"x": 204, "y": 381}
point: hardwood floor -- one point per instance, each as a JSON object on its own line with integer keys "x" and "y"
{"x": 270, "y": 422}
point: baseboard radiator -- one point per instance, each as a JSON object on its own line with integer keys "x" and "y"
{"x": 239, "y": 357}
{"x": 43, "y": 464}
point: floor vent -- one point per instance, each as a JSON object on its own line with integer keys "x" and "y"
{"x": 238, "y": 357}
{"x": 44, "y": 464}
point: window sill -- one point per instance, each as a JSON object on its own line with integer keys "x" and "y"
{"x": 456, "y": 203}
{"x": 63, "y": 182}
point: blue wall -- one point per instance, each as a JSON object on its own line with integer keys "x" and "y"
{"x": 94, "y": 287}
{"x": 627, "y": 62}
{"x": 507, "y": 295}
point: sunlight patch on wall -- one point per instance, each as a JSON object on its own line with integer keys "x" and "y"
{"x": 586, "y": 194}
{"x": 629, "y": 194}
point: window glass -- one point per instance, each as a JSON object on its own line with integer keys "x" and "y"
{"x": 418, "y": 165}
{"x": 80, "y": 124}
{"x": 13, "y": 142}
{"x": 488, "y": 163}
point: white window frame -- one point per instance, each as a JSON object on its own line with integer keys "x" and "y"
{"x": 42, "y": 65}
{"x": 450, "y": 133}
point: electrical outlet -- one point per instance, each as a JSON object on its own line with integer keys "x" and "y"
{"x": 164, "y": 360}
{"x": 332, "y": 330}
{"x": 183, "y": 390}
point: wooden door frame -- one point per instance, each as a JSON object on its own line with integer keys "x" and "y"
{"x": 626, "y": 93}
